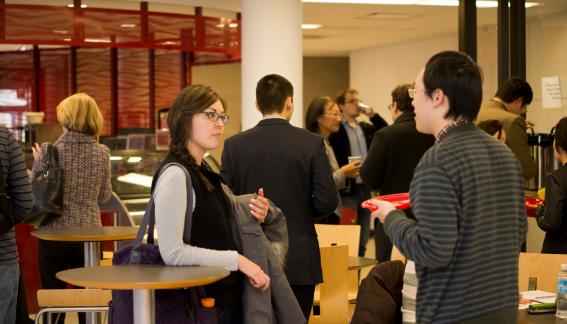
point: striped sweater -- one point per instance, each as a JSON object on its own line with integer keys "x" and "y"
{"x": 17, "y": 188}
{"x": 467, "y": 195}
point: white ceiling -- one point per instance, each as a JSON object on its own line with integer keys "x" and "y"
{"x": 346, "y": 27}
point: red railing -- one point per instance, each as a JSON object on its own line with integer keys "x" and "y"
{"x": 97, "y": 27}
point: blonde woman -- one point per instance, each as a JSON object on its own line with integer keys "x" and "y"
{"x": 86, "y": 183}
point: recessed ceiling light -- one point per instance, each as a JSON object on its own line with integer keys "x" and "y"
{"x": 128, "y": 25}
{"x": 60, "y": 32}
{"x": 448, "y": 3}
{"x": 233, "y": 25}
{"x": 311, "y": 26}
{"x": 72, "y": 6}
{"x": 23, "y": 48}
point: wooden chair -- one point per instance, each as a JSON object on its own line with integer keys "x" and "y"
{"x": 329, "y": 235}
{"x": 72, "y": 300}
{"x": 544, "y": 267}
{"x": 397, "y": 255}
{"x": 333, "y": 302}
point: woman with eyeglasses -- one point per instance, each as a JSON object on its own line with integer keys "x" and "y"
{"x": 324, "y": 117}
{"x": 196, "y": 122}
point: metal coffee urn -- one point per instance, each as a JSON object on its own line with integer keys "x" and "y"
{"x": 541, "y": 145}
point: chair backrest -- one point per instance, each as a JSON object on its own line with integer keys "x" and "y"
{"x": 544, "y": 267}
{"x": 329, "y": 235}
{"x": 333, "y": 302}
{"x": 397, "y": 255}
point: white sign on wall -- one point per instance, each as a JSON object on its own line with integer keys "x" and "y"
{"x": 551, "y": 92}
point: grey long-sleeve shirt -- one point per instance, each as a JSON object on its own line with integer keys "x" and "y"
{"x": 467, "y": 195}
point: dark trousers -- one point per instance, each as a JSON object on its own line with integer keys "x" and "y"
{"x": 304, "y": 295}
{"x": 382, "y": 242}
{"x": 231, "y": 315}
{"x": 353, "y": 199}
{"x": 54, "y": 257}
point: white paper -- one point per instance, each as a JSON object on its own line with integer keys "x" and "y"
{"x": 551, "y": 92}
{"x": 537, "y": 296}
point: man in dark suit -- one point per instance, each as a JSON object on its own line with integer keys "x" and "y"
{"x": 353, "y": 139}
{"x": 393, "y": 155}
{"x": 291, "y": 165}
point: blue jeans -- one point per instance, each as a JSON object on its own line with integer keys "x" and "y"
{"x": 9, "y": 279}
{"x": 353, "y": 200}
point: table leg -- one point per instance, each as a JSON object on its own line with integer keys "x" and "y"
{"x": 92, "y": 256}
{"x": 144, "y": 303}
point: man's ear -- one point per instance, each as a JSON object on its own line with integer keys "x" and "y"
{"x": 438, "y": 97}
{"x": 289, "y": 103}
{"x": 257, "y": 106}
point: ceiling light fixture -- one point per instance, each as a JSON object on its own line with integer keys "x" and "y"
{"x": 447, "y": 3}
{"x": 311, "y": 26}
{"x": 72, "y": 6}
{"x": 128, "y": 25}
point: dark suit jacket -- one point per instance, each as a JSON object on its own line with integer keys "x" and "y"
{"x": 341, "y": 145}
{"x": 393, "y": 155}
{"x": 291, "y": 165}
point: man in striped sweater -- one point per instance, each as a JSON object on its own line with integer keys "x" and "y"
{"x": 19, "y": 191}
{"x": 467, "y": 195}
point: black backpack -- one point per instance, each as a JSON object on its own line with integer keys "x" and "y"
{"x": 6, "y": 219}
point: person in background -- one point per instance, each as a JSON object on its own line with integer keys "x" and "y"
{"x": 324, "y": 117}
{"x": 86, "y": 184}
{"x": 291, "y": 165}
{"x": 494, "y": 129}
{"x": 353, "y": 139}
{"x": 393, "y": 155}
{"x": 467, "y": 195}
{"x": 552, "y": 217}
{"x": 17, "y": 186}
{"x": 508, "y": 106}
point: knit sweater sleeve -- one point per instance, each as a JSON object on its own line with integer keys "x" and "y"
{"x": 431, "y": 240}
{"x": 170, "y": 197}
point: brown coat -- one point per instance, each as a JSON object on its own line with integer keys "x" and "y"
{"x": 516, "y": 136}
{"x": 86, "y": 183}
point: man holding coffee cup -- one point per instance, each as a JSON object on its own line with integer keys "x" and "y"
{"x": 349, "y": 143}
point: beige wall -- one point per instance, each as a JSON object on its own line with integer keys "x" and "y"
{"x": 321, "y": 76}
{"x": 376, "y": 71}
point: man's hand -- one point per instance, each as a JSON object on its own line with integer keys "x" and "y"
{"x": 259, "y": 206}
{"x": 384, "y": 208}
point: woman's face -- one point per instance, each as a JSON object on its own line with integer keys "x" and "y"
{"x": 207, "y": 128}
{"x": 330, "y": 120}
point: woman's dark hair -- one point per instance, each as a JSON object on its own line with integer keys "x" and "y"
{"x": 561, "y": 135}
{"x": 460, "y": 78}
{"x": 316, "y": 109}
{"x": 491, "y": 126}
{"x": 190, "y": 101}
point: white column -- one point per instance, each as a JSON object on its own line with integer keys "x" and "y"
{"x": 271, "y": 44}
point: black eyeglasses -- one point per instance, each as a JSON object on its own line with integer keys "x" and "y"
{"x": 215, "y": 116}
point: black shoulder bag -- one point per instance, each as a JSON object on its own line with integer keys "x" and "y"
{"x": 47, "y": 190}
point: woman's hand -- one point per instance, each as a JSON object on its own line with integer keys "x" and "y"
{"x": 36, "y": 150}
{"x": 256, "y": 277}
{"x": 384, "y": 208}
{"x": 259, "y": 206}
{"x": 352, "y": 169}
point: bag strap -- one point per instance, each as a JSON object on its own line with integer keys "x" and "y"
{"x": 149, "y": 215}
{"x": 51, "y": 155}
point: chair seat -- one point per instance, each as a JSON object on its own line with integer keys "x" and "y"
{"x": 73, "y": 297}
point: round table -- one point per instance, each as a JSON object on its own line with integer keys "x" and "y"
{"x": 143, "y": 280}
{"x": 357, "y": 263}
{"x": 90, "y": 236}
